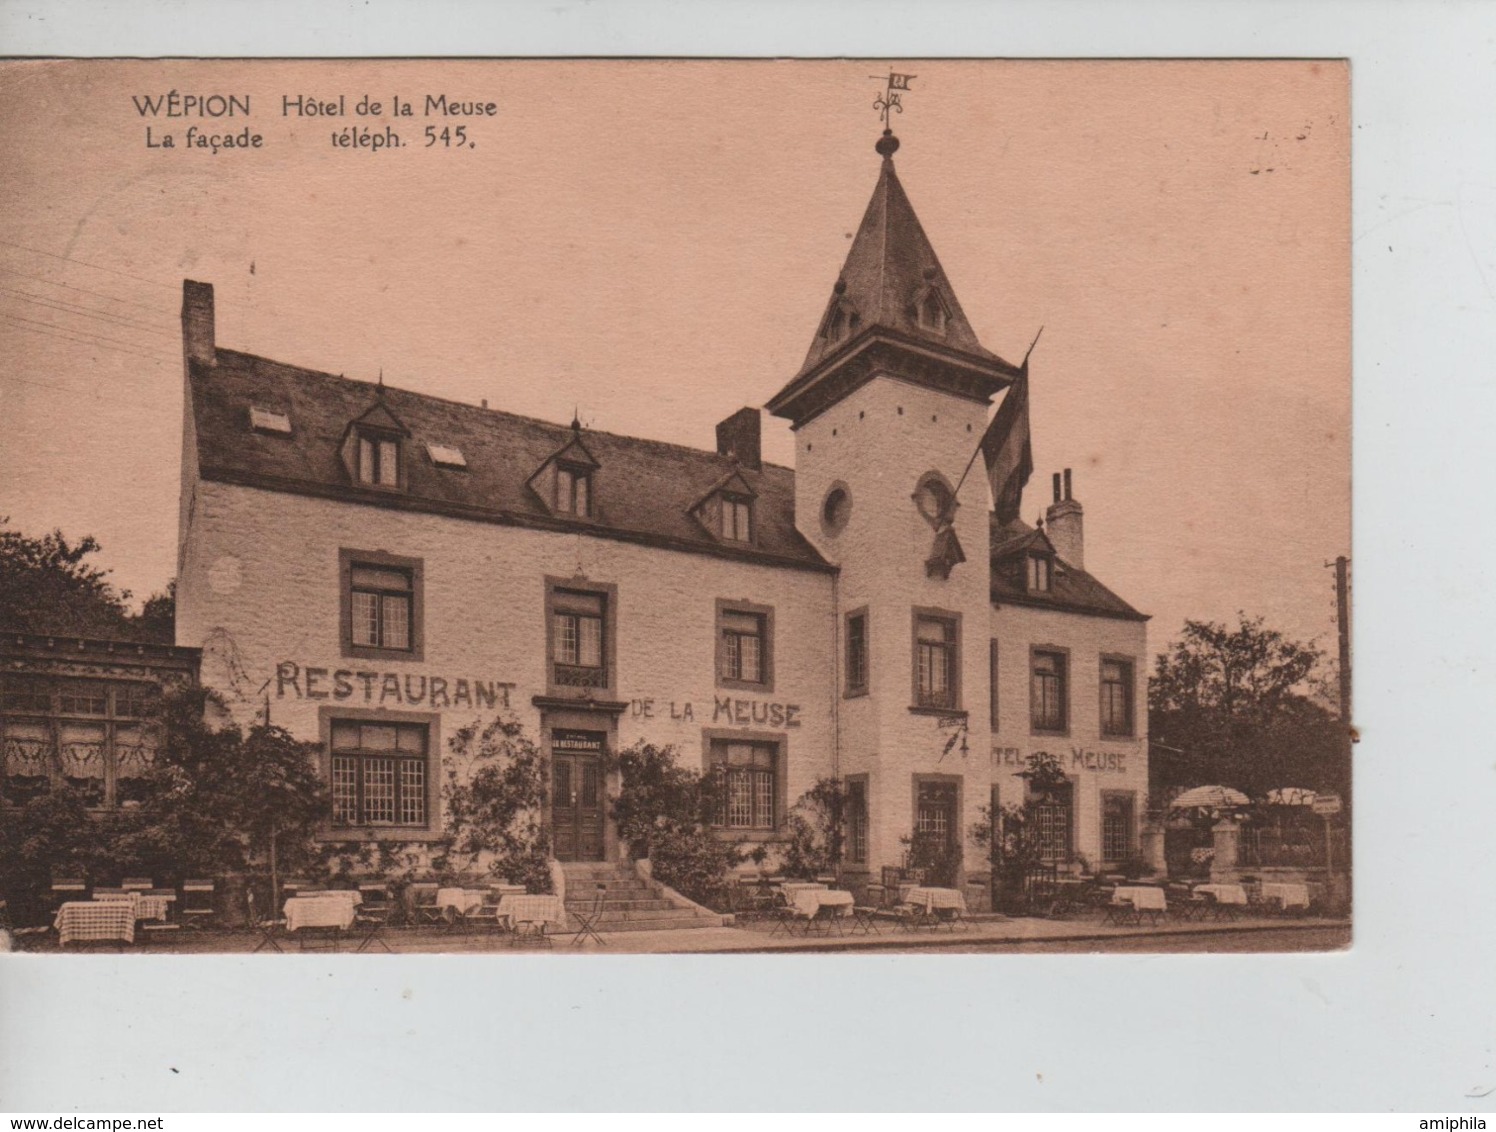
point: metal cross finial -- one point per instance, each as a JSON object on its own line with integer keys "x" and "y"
{"x": 891, "y": 100}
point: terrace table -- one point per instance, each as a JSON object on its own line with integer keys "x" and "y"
{"x": 1287, "y": 895}
{"x": 460, "y": 900}
{"x": 533, "y": 909}
{"x": 1142, "y": 899}
{"x": 321, "y": 910}
{"x": 935, "y": 905}
{"x": 810, "y": 901}
{"x": 1230, "y": 899}
{"x": 80, "y": 920}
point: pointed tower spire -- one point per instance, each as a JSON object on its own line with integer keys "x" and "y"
{"x": 891, "y": 292}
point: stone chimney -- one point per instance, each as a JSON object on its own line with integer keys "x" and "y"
{"x": 198, "y": 342}
{"x": 741, "y": 435}
{"x": 1063, "y": 523}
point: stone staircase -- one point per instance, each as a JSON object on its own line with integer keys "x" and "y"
{"x": 631, "y": 904}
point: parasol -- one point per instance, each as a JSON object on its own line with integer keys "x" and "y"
{"x": 1290, "y": 796}
{"x": 1209, "y": 798}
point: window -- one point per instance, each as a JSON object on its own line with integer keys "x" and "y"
{"x": 992, "y": 678}
{"x": 378, "y": 460}
{"x": 379, "y": 773}
{"x": 1116, "y": 826}
{"x": 446, "y": 456}
{"x": 743, "y": 647}
{"x": 1116, "y": 697}
{"x": 381, "y": 605}
{"x": 749, "y": 783}
{"x": 857, "y": 821}
{"x": 932, "y": 312}
{"x": 737, "y": 519}
{"x": 268, "y": 420}
{"x": 934, "y": 661}
{"x": 573, "y": 491}
{"x": 1052, "y": 818}
{"x": 836, "y": 510}
{"x": 84, "y": 734}
{"x": 579, "y": 654}
{"x": 381, "y": 599}
{"x": 1047, "y": 693}
{"x": 857, "y": 653}
{"x": 934, "y": 497}
{"x": 1039, "y": 570}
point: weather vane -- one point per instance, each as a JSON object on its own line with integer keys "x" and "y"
{"x": 891, "y": 100}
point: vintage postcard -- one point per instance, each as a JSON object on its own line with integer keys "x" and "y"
{"x": 675, "y": 505}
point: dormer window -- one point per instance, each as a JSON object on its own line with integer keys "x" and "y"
{"x": 932, "y": 311}
{"x": 737, "y": 519}
{"x": 842, "y": 323}
{"x": 1040, "y": 569}
{"x": 378, "y": 460}
{"x": 573, "y": 490}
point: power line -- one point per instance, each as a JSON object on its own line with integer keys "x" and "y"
{"x": 52, "y": 330}
{"x": 74, "y": 308}
{"x": 81, "y": 290}
{"x": 85, "y": 263}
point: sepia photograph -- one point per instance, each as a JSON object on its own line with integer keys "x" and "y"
{"x": 607, "y": 506}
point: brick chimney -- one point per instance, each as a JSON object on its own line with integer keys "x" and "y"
{"x": 1063, "y": 523}
{"x": 198, "y": 341}
{"x": 741, "y": 435}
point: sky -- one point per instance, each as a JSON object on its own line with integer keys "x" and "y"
{"x": 653, "y": 244}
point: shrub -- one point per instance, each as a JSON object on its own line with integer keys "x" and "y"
{"x": 496, "y": 788}
{"x": 817, "y": 828}
{"x": 664, "y": 812}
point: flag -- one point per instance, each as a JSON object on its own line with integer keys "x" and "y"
{"x": 1007, "y": 450}
{"x": 898, "y": 82}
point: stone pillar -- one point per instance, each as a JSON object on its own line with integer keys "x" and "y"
{"x": 1227, "y": 839}
{"x": 1151, "y": 847}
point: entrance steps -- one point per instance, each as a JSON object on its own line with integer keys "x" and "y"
{"x": 631, "y": 903}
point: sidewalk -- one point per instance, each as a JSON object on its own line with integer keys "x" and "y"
{"x": 756, "y": 938}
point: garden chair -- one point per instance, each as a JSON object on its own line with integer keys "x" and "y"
{"x": 372, "y": 916}
{"x": 161, "y": 929}
{"x": 588, "y": 919}
{"x": 266, "y": 927}
{"x": 425, "y": 907}
{"x": 486, "y": 916}
{"x": 65, "y": 888}
{"x": 199, "y": 909}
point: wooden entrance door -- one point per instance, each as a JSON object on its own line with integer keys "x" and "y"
{"x": 577, "y": 795}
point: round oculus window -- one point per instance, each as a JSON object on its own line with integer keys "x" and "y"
{"x": 933, "y": 498}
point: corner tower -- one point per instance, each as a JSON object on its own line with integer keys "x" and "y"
{"x": 888, "y": 409}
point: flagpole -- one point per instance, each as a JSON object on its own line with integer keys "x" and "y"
{"x": 1023, "y": 367}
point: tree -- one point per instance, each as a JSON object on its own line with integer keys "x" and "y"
{"x": 47, "y": 585}
{"x": 1234, "y": 706}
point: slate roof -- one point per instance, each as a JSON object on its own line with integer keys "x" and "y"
{"x": 1071, "y": 590}
{"x": 644, "y": 489}
{"x": 889, "y": 268}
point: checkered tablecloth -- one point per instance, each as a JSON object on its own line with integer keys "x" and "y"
{"x": 1288, "y": 895}
{"x": 1143, "y": 897}
{"x": 533, "y": 909}
{"x": 80, "y": 920}
{"x": 934, "y": 898}
{"x": 321, "y": 910}
{"x": 809, "y": 901}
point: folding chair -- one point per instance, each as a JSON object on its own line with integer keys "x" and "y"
{"x": 198, "y": 909}
{"x": 423, "y": 903}
{"x": 161, "y": 929}
{"x": 373, "y": 915}
{"x": 65, "y": 888}
{"x": 265, "y": 927}
{"x": 588, "y": 918}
